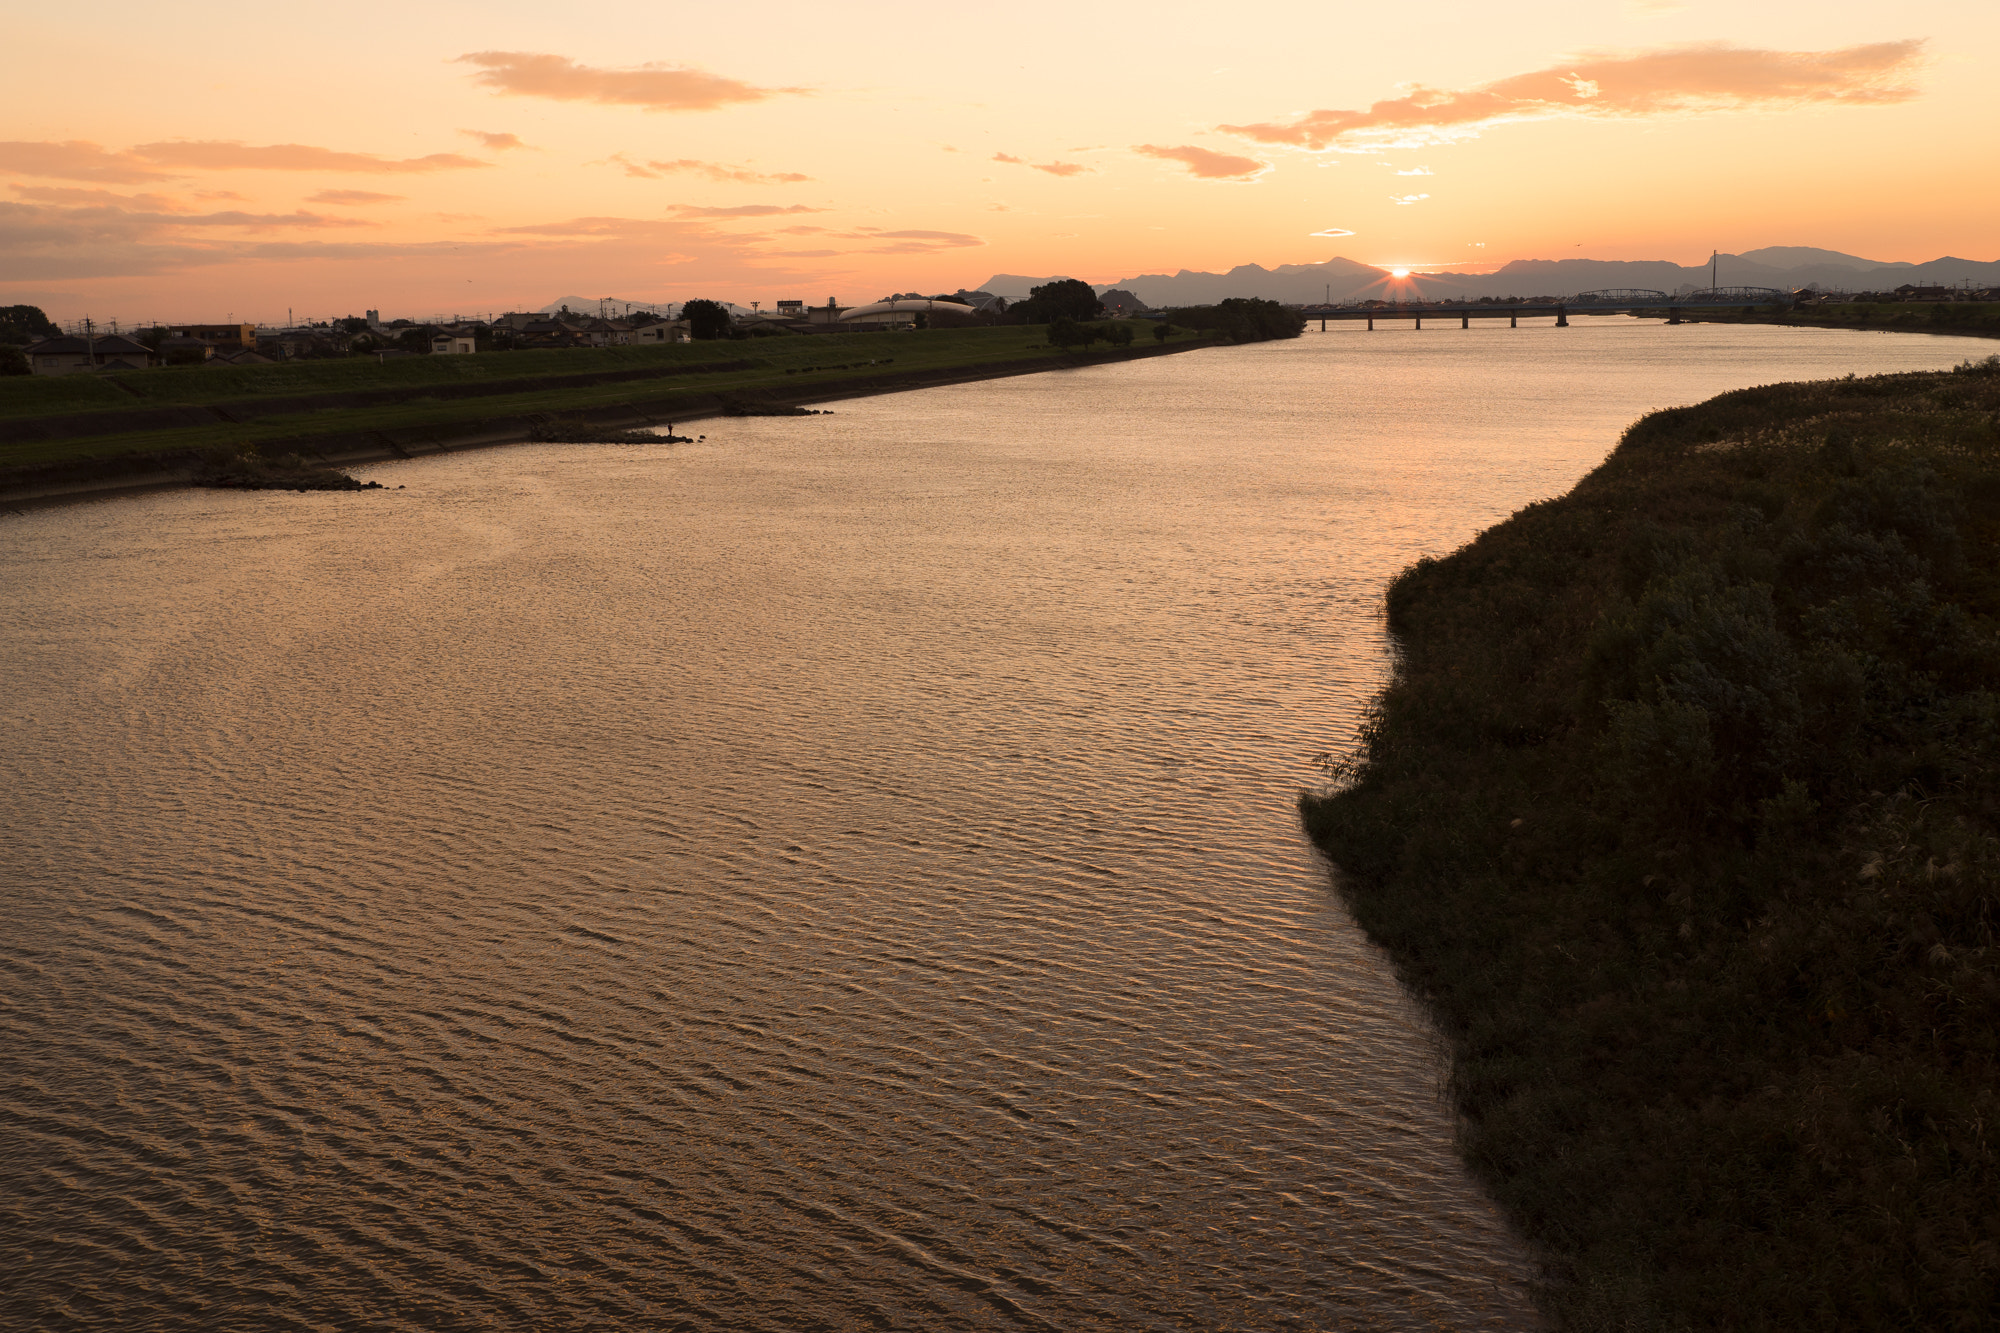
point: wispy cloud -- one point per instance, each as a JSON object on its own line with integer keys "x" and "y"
{"x": 719, "y": 172}
{"x": 1417, "y": 171}
{"x": 1406, "y": 198}
{"x": 353, "y": 198}
{"x": 76, "y": 195}
{"x": 78, "y": 160}
{"x": 1608, "y": 84}
{"x": 1331, "y": 231}
{"x": 916, "y": 242}
{"x": 494, "y": 143}
{"x": 1206, "y": 162}
{"x": 229, "y": 155}
{"x": 743, "y": 211}
{"x": 1052, "y": 168}
{"x": 655, "y": 87}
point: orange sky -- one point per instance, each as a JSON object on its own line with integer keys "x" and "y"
{"x": 201, "y": 163}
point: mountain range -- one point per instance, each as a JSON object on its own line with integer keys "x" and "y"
{"x": 1783, "y": 266}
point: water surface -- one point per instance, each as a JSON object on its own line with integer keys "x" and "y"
{"x": 841, "y": 875}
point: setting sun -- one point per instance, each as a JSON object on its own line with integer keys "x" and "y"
{"x": 1399, "y": 273}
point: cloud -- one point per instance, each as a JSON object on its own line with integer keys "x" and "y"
{"x": 1406, "y": 198}
{"x": 229, "y": 155}
{"x": 1331, "y": 231}
{"x": 1053, "y": 168}
{"x": 653, "y": 87}
{"x": 590, "y": 226}
{"x": 715, "y": 171}
{"x": 77, "y": 160}
{"x": 76, "y": 195}
{"x": 1608, "y": 84}
{"x": 40, "y": 241}
{"x": 494, "y": 143}
{"x": 1206, "y": 163}
{"x": 353, "y": 197}
{"x": 742, "y": 211}
{"x": 1415, "y": 171}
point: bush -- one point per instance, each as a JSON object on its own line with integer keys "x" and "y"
{"x": 1682, "y": 813}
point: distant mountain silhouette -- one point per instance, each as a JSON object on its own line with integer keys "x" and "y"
{"x": 1782, "y": 266}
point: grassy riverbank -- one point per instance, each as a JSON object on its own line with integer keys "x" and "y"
{"x": 1963, "y": 318}
{"x": 1683, "y": 812}
{"x": 65, "y": 420}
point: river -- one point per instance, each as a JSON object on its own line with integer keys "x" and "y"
{"x": 838, "y": 875}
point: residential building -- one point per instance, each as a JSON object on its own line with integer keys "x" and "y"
{"x": 70, "y": 356}
{"x": 236, "y": 336}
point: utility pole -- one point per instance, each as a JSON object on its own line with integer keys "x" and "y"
{"x": 1712, "y": 257}
{"x": 89, "y": 343}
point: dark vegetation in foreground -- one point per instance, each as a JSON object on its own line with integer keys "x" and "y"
{"x": 1682, "y": 811}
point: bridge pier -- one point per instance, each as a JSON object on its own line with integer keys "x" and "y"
{"x": 1513, "y": 321}
{"x": 1674, "y": 315}
{"x": 1464, "y": 320}
{"x": 1371, "y": 323}
{"x": 1562, "y": 317}
{"x": 1420, "y": 321}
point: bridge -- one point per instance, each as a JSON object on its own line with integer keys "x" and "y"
{"x": 1611, "y": 300}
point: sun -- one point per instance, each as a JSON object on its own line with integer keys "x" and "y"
{"x": 1399, "y": 273}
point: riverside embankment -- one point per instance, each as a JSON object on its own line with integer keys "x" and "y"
{"x": 1681, "y": 812}
{"x": 1966, "y": 319}
{"x": 79, "y": 434}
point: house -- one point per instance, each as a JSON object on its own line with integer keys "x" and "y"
{"x": 450, "y": 342}
{"x": 237, "y": 337}
{"x": 181, "y": 350}
{"x": 69, "y": 356}
{"x": 553, "y": 333}
{"x": 661, "y": 331}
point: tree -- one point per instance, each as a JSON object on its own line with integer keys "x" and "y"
{"x": 706, "y": 319}
{"x": 25, "y": 324}
{"x": 1161, "y": 330}
{"x": 1065, "y": 298}
{"x": 13, "y": 361}
{"x": 415, "y": 340}
{"x": 1244, "y": 319}
{"x": 1066, "y": 333}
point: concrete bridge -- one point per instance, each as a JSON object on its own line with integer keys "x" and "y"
{"x": 1618, "y": 300}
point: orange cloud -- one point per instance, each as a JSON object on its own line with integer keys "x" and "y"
{"x": 494, "y": 143}
{"x": 742, "y": 211}
{"x": 77, "y": 160}
{"x": 1206, "y": 163}
{"x": 1693, "y": 78}
{"x": 1053, "y": 168}
{"x": 101, "y": 240}
{"x": 71, "y": 194}
{"x": 716, "y": 171}
{"x": 654, "y": 87}
{"x": 353, "y": 197}
{"x": 228, "y": 155}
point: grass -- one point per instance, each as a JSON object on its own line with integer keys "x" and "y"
{"x": 1682, "y": 813}
{"x": 794, "y": 367}
{"x": 1974, "y": 318}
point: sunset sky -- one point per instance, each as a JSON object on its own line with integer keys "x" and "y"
{"x": 202, "y": 162}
